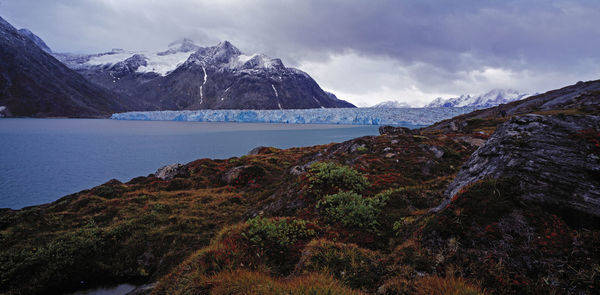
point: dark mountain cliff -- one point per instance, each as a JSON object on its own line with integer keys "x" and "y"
{"x": 35, "y": 84}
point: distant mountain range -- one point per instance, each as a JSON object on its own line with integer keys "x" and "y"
{"x": 492, "y": 98}
{"x": 185, "y": 76}
{"x": 36, "y": 82}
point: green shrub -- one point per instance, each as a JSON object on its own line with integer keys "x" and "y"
{"x": 279, "y": 241}
{"x": 352, "y": 210}
{"x": 282, "y": 231}
{"x": 328, "y": 178}
{"x": 352, "y": 265}
{"x": 362, "y": 149}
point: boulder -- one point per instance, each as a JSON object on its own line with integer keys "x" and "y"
{"x": 171, "y": 171}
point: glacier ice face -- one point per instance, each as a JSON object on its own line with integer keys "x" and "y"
{"x": 349, "y": 116}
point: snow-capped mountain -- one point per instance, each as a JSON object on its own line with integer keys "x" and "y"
{"x": 188, "y": 76}
{"x": 391, "y": 104}
{"x": 161, "y": 63}
{"x": 486, "y": 100}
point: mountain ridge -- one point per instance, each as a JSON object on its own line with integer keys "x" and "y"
{"x": 491, "y": 98}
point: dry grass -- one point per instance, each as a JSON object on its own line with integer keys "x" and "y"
{"x": 247, "y": 282}
{"x": 434, "y": 285}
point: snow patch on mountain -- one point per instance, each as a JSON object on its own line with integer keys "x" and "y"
{"x": 161, "y": 64}
{"x": 392, "y": 104}
{"x": 486, "y": 100}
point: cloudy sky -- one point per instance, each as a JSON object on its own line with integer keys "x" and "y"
{"x": 365, "y": 51}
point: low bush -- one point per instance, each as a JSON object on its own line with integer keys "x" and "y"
{"x": 352, "y": 210}
{"x": 279, "y": 240}
{"x": 354, "y": 266}
{"x": 284, "y": 232}
{"x": 329, "y": 178}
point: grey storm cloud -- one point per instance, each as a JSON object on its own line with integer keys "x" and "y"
{"x": 436, "y": 47}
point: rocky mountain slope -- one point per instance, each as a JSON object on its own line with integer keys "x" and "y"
{"x": 581, "y": 98}
{"x": 518, "y": 215}
{"x": 187, "y": 76}
{"x": 492, "y": 98}
{"x": 37, "y": 40}
{"x": 35, "y": 84}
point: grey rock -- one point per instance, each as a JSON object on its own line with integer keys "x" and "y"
{"x": 171, "y": 171}
{"x": 256, "y": 150}
{"x": 297, "y": 170}
{"x": 391, "y": 130}
{"x": 452, "y": 126}
{"x": 555, "y": 166}
{"x": 437, "y": 151}
{"x": 232, "y": 174}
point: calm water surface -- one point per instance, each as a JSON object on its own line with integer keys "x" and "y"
{"x": 42, "y": 160}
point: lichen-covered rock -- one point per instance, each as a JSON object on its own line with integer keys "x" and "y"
{"x": 556, "y": 158}
{"x": 171, "y": 171}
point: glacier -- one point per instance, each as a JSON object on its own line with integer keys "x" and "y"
{"x": 409, "y": 117}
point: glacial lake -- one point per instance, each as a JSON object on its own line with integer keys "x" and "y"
{"x": 42, "y": 160}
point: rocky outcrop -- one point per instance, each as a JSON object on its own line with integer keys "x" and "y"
{"x": 556, "y": 160}
{"x": 171, "y": 171}
{"x": 391, "y": 130}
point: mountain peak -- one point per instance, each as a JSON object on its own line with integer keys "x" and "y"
{"x": 228, "y": 48}
{"x": 183, "y": 45}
